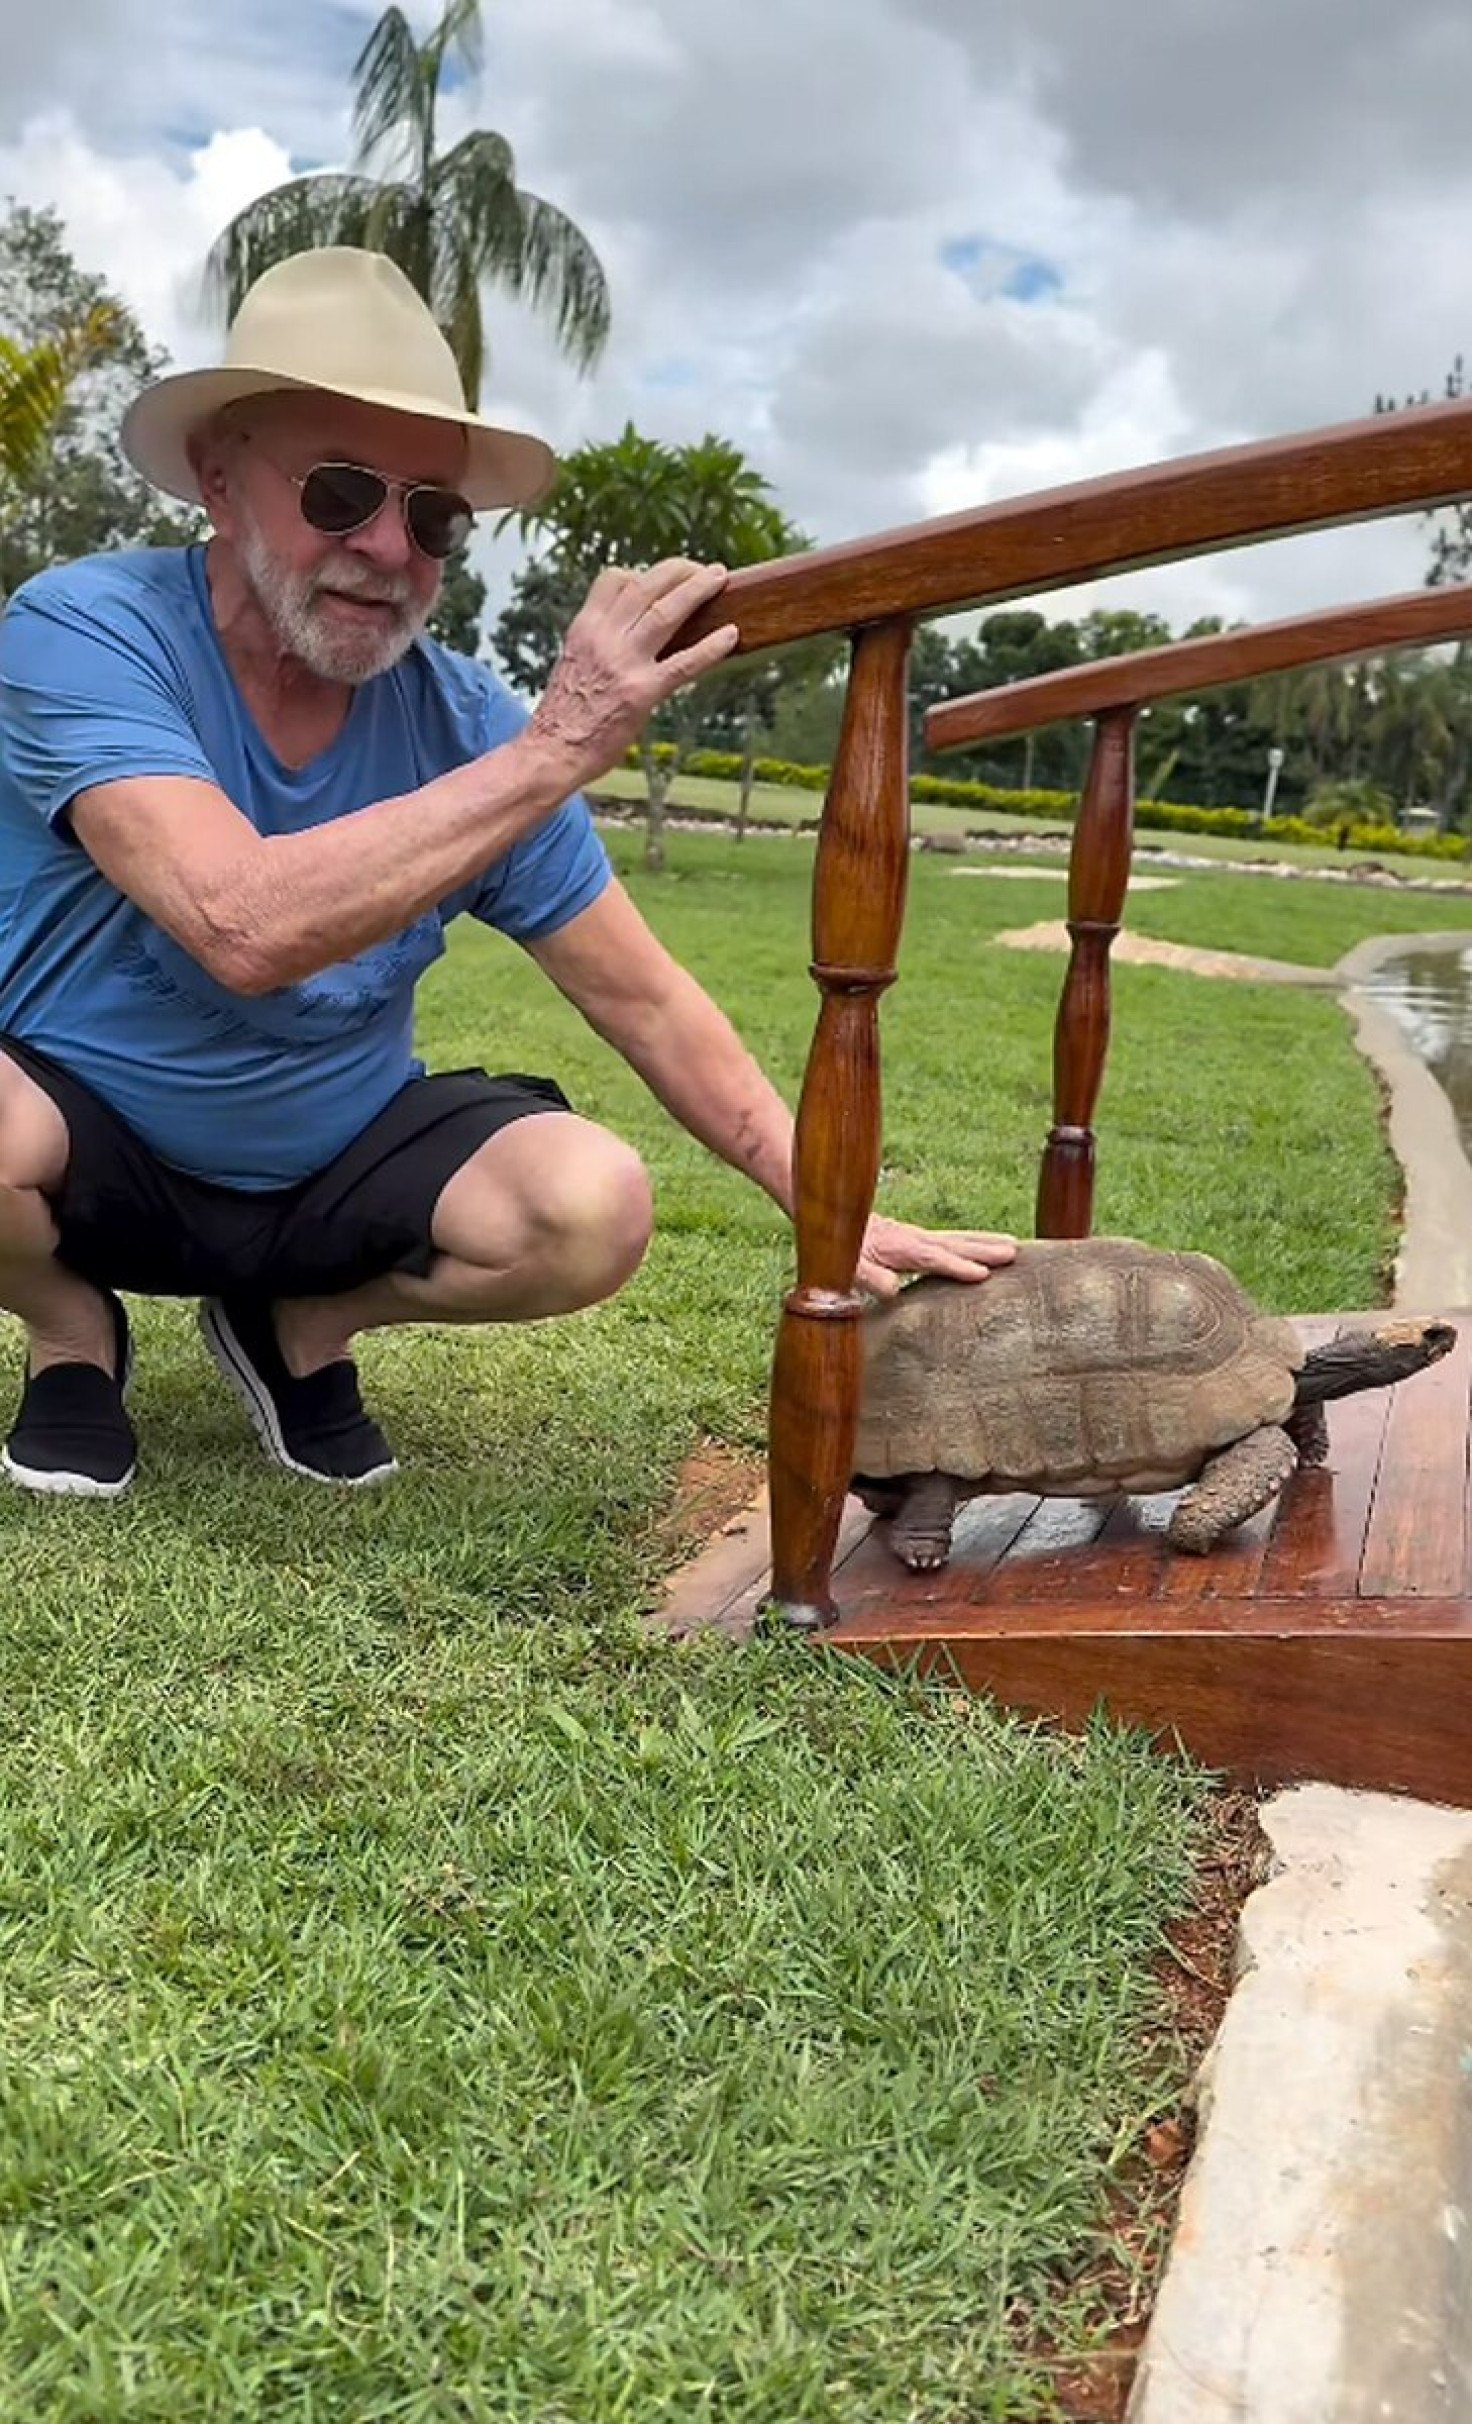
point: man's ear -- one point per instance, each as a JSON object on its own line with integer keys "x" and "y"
{"x": 209, "y": 450}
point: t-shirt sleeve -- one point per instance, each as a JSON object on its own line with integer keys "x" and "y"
{"x": 557, "y": 872}
{"x": 87, "y": 695}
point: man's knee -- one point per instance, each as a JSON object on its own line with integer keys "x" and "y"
{"x": 594, "y": 1215}
{"x": 560, "y": 1192}
{"x": 34, "y": 1142}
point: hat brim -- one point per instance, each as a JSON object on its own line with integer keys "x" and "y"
{"x": 503, "y": 466}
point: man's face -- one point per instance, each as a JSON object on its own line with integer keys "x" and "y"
{"x": 346, "y": 607}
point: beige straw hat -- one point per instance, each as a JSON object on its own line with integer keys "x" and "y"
{"x": 345, "y": 323}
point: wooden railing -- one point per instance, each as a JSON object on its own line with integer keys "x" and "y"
{"x": 875, "y": 589}
{"x": 1115, "y": 690}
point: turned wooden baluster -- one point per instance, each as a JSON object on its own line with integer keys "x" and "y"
{"x": 1098, "y": 877}
{"x": 858, "y": 906}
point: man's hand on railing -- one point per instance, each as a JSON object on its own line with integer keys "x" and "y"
{"x": 612, "y": 672}
{"x": 893, "y": 1249}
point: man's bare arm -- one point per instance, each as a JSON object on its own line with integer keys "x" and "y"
{"x": 262, "y": 911}
{"x": 627, "y": 986}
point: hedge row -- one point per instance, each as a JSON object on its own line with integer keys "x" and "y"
{"x": 1161, "y": 816}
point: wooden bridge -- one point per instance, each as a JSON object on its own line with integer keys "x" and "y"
{"x": 1332, "y": 1636}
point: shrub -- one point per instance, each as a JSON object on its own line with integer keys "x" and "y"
{"x": 1155, "y": 816}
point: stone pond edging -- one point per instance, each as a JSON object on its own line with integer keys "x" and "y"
{"x": 1434, "y": 1262}
{"x": 1318, "y": 2271}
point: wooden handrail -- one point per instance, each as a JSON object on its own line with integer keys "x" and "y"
{"x": 1353, "y": 472}
{"x": 1417, "y": 618}
{"x": 873, "y": 589}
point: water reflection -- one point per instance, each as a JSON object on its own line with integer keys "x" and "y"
{"x": 1430, "y": 993}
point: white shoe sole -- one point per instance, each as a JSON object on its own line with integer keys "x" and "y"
{"x": 64, "y": 1485}
{"x": 234, "y": 1366}
{"x": 76, "y": 1485}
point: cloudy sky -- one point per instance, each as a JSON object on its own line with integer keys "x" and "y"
{"x": 910, "y": 254}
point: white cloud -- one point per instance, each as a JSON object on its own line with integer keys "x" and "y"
{"x": 143, "y": 220}
{"x": 1238, "y": 222}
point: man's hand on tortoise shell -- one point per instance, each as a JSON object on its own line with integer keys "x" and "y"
{"x": 894, "y": 1249}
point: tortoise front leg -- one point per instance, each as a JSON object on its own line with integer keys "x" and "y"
{"x": 1308, "y": 1428}
{"x": 1231, "y": 1487}
{"x": 920, "y": 1534}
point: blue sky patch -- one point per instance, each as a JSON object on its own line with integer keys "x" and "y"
{"x": 1033, "y": 280}
{"x": 673, "y": 371}
{"x": 990, "y": 268}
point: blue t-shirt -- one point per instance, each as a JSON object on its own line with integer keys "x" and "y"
{"x": 111, "y": 668}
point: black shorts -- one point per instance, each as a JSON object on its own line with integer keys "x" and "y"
{"x": 125, "y": 1219}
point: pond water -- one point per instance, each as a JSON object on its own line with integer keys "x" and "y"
{"x": 1428, "y": 991}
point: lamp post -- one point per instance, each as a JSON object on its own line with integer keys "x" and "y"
{"x": 1270, "y": 788}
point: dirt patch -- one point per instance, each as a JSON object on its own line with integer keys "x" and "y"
{"x": 1196, "y": 1975}
{"x": 1059, "y": 875}
{"x": 712, "y": 1486}
{"x": 1144, "y": 951}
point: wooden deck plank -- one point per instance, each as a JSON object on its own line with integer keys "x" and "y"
{"x": 1416, "y": 1539}
{"x": 1043, "y": 1558}
{"x": 1127, "y": 1559}
{"x": 925, "y": 1608}
{"x": 1229, "y": 1571}
{"x": 1377, "y": 1699}
{"x": 1317, "y": 1544}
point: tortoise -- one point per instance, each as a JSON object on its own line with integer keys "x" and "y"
{"x": 1097, "y": 1367}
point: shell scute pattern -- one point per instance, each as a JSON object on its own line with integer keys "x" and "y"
{"x": 1098, "y": 1363}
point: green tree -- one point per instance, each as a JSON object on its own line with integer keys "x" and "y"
{"x": 1352, "y": 801}
{"x": 449, "y": 219}
{"x": 1450, "y": 563}
{"x": 34, "y": 383}
{"x": 72, "y": 494}
{"x": 528, "y": 634}
{"x": 456, "y": 620}
{"x": 631, "y": 501}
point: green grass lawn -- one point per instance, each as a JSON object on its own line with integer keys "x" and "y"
{"x": 425, "y": 1997}
{"x": 784, "y": 804}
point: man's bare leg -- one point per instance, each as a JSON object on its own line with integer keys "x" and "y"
{"x": 550, "y": 1214}
{"x": 66, "y": 1319}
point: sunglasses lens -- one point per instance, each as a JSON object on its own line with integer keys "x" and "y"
{"x": 439, "y": 521}
{"x": 338, "y": 497}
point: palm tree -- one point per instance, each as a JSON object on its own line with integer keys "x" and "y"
{"x": 635, "y": 499}
{"x": 448, "y": 219}
{"x": 34, "y": 382}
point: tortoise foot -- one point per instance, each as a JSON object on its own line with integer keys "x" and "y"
{"x": 925, "y": 1560}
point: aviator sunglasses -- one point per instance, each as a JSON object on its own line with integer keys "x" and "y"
{"x": 339, "y": 497}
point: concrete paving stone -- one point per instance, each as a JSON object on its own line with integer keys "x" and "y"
{"x": 1319, "y": 2272}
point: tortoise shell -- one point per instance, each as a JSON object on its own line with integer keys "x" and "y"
{"x": 1086, "y": 1366}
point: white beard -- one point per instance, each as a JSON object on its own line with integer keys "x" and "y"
{"x": 289, "y": 602}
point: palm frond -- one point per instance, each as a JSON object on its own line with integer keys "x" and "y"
{"x": 464, "y": 330}
{"x": 295, "y": 218}
{"x": 32, "y": 391}
{"x": 503, "y": 233}
{"x": 393, "y": 96}
{"x": 562, "y": 275}
{"x": 386, "y": 221}
{"x": 471, "y": 179}
{"x": 459, "y": 30}
{"x": 401, "y": 225}
{"x": 34, "y": 381}
{"x": 474, "y": 207}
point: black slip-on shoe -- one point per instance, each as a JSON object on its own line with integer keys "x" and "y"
{"x": 317, "y": 1427}
{"x": 72, "y": 1436}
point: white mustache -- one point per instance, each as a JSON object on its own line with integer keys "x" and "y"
{"x": 354, "y": 580}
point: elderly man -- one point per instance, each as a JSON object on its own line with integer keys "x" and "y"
{"x": 241, "y": 796}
